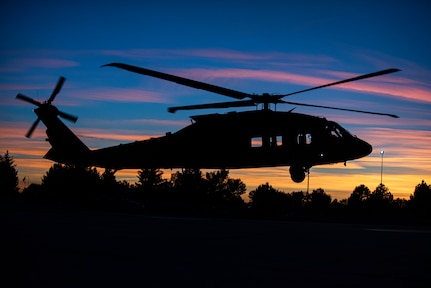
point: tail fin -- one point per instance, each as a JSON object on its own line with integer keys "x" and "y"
{"x": 66, "y": 146}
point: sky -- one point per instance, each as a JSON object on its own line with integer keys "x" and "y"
{"x": 258, "y": 47}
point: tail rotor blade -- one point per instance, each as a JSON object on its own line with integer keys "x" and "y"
{"x": 56, "y": 89}
{"x": 28, "y": 99}
{"x": 30, "y": 132}
{"x": 68, "y": 116}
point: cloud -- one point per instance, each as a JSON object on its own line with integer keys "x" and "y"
{"x": 123, "y": 95}
{"x": 233, "y": 56}
{"x": 22, "y": 64}
{"x": 143, "y": 122}
{"x": 399, "y": 87}
{"x": 123, "y": 135}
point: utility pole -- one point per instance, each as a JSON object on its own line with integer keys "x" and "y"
{"x": 381, "y": 167}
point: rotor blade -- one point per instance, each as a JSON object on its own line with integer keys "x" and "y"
{"x": 180, "y": 80}
{"x": 343, "y": 109}
{"x": 68, "y": 116}
{"x": 245, "y": 103}
{"x": 56, "y": 89}
{"x": 28, "y": 135}
{"x": 28, "y": 99}
{"x": 374, "y": 74}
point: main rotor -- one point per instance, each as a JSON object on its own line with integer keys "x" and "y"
{"x": 251, "y": 99}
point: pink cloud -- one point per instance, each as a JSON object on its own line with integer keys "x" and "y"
{"x": 97, "y": 134}
{"x": 20, "y": 87}
{"x": 123, "y": 95}
{"x": 416, "y": 118}
{"x": 234, "y": 56}
{"x": 159, "y": 122}
{"x": 15, "y": 65}
{"x": 411, "y": 140}
{"x": 399, "y": 87}
{"x": 266, "y": 75}
{"x": 164, "y": 53}
{"x": 143, "y": 122}
{"x": 7, "y": 131}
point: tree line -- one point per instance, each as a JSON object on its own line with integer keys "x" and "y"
{"x": 192, "y": 192}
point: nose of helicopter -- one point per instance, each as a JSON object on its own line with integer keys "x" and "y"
{"x": 362, "y": 148}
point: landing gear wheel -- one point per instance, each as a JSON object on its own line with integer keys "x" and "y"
{"x": 297, "y": 173}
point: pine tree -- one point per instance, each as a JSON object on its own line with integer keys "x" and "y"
{"x": 8, "y": 177}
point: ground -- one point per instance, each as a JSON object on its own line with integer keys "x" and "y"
{"x": 52, "y": 248}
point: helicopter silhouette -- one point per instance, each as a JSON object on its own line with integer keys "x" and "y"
{"x": 234, "y": 140}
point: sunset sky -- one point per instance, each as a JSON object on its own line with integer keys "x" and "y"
{"x": 252, "y": 46}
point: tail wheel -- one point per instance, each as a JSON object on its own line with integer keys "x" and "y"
{"x": 297, "y": 173}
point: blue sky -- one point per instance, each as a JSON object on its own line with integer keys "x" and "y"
{"x": 251, "y": 46}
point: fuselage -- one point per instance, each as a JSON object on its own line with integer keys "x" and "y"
{"x": 261, "y": 138}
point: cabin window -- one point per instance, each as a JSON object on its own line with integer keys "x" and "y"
{"x": 300, "y": 139}
{"x": 304, "y": 139}
{"x": 308, "y": 139}
{"x": 256, "y": 142}
{"x": 276, "y": 141}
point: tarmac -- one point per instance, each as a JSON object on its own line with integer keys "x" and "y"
{"x": 48, "y": 248}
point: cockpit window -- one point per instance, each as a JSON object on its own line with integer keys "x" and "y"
{"x": 336, "y": 130}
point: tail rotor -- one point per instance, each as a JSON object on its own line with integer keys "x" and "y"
{"x": 46, "y": 108}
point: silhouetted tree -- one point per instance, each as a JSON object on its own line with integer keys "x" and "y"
{"x": 151, "y": 186}
{"x": 400, "y": 203}
{"x": 188, "y": 187}
{"x": 70, "y": 184}
{"x": 343, "y": 202}
{"x": 420, "y": 201}
{"x": 33, "y": 193}
{"x": 318, "y": 202}
{"x": 223, "y": 191}
{"x": 8, "y": 177}
{"x": 269, "y": 201}
{"x": 379, "y": 202}
{"x": 295, "y": 203}
{"x": 359, "y": 196}
{"x": 381, "y": 194}
{"x": 112, "y": 189}
{"x": 108, "y": 178}
{"x": 339, "y": 209}
{"x": 150, "y": 178}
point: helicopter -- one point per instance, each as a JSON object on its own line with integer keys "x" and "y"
{"x": 233, "y": 140}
